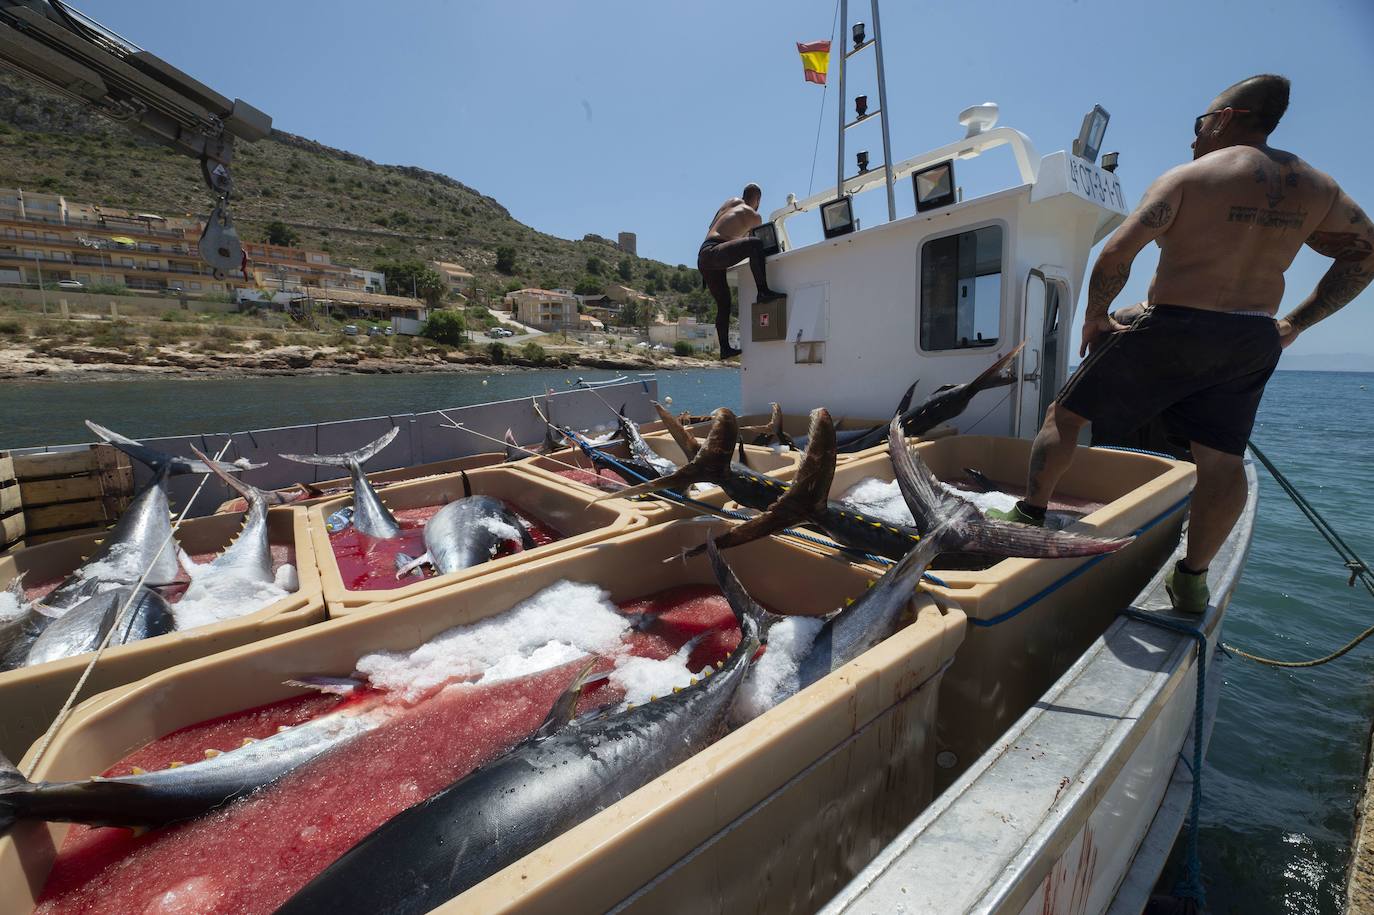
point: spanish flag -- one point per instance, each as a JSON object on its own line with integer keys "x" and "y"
{"x": 815, "y": 57}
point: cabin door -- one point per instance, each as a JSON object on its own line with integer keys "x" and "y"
{"x": 1042, "y": 361}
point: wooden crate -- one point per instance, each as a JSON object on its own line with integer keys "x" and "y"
{"x": 11, "y": 505}
{"x": 69, "y": 492}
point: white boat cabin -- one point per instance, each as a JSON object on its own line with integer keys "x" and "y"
{"x": 936, "y": 296}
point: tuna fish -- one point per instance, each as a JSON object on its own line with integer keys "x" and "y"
{"x": 141, "y": 541}
{"x": 945, "y": 404}
{"x": 370, "y": 516}
{"x": 139, "y": 615}
{"x": 639, "y": 449}
{"x": 963, "y": 528}
{"x": 563, "y": 774}
{"x": 152, "y": 799}
{"x": 467, "y": 532}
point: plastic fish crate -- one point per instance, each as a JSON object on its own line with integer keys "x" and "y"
{"x": 567, "y": 510}
{"x": 777, "y": 815}
{"x": 30, "y": 697}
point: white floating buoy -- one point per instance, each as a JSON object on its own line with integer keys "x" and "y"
{"x": 484, "y": 381}
{"x": 668, "y": 400}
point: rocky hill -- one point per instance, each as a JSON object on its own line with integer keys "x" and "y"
{"x": 361, "y": 212}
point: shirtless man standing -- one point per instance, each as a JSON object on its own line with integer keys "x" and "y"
{"x": 1228, "y": 224}
{"x": 727, "y": 243}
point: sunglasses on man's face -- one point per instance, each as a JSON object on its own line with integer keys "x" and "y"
{"x": 1197, "y": 121}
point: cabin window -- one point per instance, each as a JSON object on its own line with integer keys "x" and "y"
{"x": 961, "y": 290}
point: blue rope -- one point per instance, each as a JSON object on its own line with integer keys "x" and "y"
{"x": 1190, "y": 886}
{"x": 680, "y": 499}
{"x": 1056, "y": 585}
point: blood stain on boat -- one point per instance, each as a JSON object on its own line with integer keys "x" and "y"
{"x": 593, "y": 478}
{"x": 368, "y": 564}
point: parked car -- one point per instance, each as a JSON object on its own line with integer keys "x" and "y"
{"x": 351, "y": 330}
{"x": 374, "y": 331}
{"x": 390, "y": 332}
{"x": 73, "y": 285}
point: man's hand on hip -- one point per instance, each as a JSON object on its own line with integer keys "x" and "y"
{"x": 1096, "y": 331}
{"x": 1287, "y": 332}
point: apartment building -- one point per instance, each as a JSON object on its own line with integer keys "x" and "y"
{"x": 456, "y": 277}
{"x": 545, "y": 309}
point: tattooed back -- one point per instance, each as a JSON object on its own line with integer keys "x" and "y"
{"x": 1236, "y": 218}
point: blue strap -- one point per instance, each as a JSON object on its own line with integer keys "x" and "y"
{"x": 1190, "y": 885}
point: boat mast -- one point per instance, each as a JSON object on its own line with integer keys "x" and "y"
{"x": 859, "y": 45}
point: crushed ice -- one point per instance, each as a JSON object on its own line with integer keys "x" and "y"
{"x": 774, "y": 677}
{"x": 213, "y": 598}
{"x": 10, "y": 606}
{"x": 499, "y": 528}
{"x": 883, "y": 499}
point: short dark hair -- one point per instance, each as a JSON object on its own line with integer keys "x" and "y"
{"x": 752, "y": 188}
{"x": 1266, "y": 95}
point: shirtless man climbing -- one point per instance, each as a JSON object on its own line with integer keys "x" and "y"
{"x": 727, "y": 243}
{"x": 1228, "y": 224}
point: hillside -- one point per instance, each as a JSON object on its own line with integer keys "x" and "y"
{"x": 359, "y": 211}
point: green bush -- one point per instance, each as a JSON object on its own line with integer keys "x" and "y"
{"x": 268, "y": 337}
{"x": 444, "y": 326}
{"x": 11, "y": 327}
{"x": 108, "y": 289}
{"x": 532, "y": 352}
{"x": 683, "y": 348}
{"x": 401, "y": 346}
{"x": 505, "y": 260}
{"x": 497, "y": 352}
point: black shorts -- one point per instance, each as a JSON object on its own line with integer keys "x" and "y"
{"x": 1203, "y": 371}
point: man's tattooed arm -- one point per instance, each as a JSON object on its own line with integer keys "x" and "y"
{"x": 1104, "y": 285}
{"x": 1347, "y": 237}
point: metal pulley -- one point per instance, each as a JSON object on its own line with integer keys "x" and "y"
{"x": 219, "y": 243}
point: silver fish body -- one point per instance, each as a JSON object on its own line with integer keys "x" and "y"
{"x": 84, "y": 627}
{"x": 370, "y": 516}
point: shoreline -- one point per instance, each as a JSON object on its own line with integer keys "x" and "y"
{"x": 95, "y": 364}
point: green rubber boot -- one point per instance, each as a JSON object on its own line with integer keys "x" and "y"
{"x": 1187, "y": 591}
{"x": 1014, "y": 515}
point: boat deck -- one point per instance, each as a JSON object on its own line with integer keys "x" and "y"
{"x": 1359, "y": 888}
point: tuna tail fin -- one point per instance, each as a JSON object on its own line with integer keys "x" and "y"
{"x": 254, "y": 495}
{"x": 13, "y": 786}
{"x": 513, "y": 450}
{"x": 682, "y": 436}
{"x": 980, "y": 479}
{"x": 1002, "y": 538}
{"x": 920, "y": 489}
{"x": 753, "y": 619}
{"x": 334, "y": 686}
{"x": 801, "y": 501}
{"x": 565, "y": 706}
{"x": 779, "y": 433}
{"x": 348, "y": 458}
{"x": 711, "y": 464}
{"x": 743, "y": 455}
{"x": 160, "y": 460}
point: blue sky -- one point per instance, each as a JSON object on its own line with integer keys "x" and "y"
{"x": 643, "y": 116}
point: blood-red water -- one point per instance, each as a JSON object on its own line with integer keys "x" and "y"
{"x": 368, "y": 564}
{"x": 251, "y": 856}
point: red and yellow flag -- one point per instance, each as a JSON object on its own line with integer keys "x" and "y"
{"x": 815, "y": 57}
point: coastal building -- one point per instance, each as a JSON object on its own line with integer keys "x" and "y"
{"x": 46, "y": 238}
{"x": 683, "y": 329}
{"x": 283, "y": 268}
{"x": 545, "y": 309}
{"x": 457, "y": 278}
{"x": 372, "y": 280}
{"x": 355, "y": 303}
{"x": 624, "y": 295}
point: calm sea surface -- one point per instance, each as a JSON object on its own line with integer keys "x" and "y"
{"x": 1287, "y": 754}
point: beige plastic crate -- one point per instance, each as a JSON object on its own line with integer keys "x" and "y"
{"x": 567, "y": 510}
{"x": 780, "y": 465}
{"x": 30, "y": 697}
{"x": 384, "y": 479}
{"x": 1062, "y": 604}
{"x": 812, "y": 789}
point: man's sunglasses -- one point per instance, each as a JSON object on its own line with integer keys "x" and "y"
{"x": 1197, "y": 121}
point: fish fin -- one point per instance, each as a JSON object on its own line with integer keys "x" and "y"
{"x": 1001, "y": 538}
{"x": 753, "y": 619}
{"x": 743, "y": 456}
{"x": 348, "y": 458}
{"x": 513, "y": 450}
{"x": 565, "y": 706}
{"x": 817, "y": 470}
{"x": 779, "y": 433}
{"x": 711, "y": 463}
{"x": 681, "y": 435}
{"x": 405, "y": 565}
{"x": 980, "y": 480}
{"x": 334, "y": 686}
{"x": 159, "y": 460}
{"x": 905, "y": 403}
{"x": 13, "y": 787}
{"x": 920, "y": 490}
{"x": 251, "y": 493}
{"x": 467, "y": 484}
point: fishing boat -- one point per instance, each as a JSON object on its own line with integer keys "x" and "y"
{"x": 1025, "y": 746}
